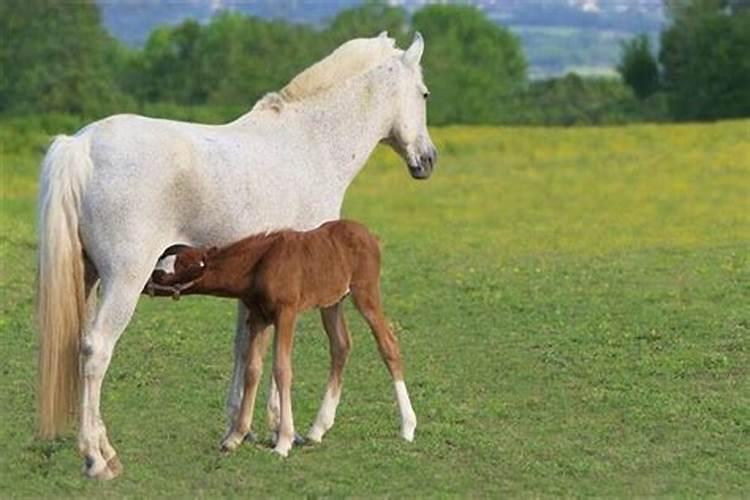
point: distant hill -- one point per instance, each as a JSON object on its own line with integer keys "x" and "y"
{"x": 557, "y": 35}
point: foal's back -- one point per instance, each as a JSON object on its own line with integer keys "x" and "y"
{"x": 317, "y": 268}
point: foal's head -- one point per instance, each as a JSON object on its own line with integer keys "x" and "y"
{"x": 185, "y": 266}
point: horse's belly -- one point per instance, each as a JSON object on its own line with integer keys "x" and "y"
{"x": 244, "y": 210}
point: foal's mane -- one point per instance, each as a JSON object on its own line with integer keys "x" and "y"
{"x": 350, "y": 59}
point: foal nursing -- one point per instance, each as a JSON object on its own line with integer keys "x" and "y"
{"x": 277, "y": 276}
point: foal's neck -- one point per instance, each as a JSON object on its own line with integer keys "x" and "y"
{"x": 229, "y": 271}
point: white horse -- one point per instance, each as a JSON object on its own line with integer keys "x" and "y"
{"x": 119, "y": 192}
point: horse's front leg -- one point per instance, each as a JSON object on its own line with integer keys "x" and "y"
{"x": 258, "y": 341}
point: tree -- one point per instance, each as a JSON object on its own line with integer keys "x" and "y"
{"x": 704, "y": 56}
{"x": 170, "y": 65}
{"x": 368, "y": 19}
{"x": 474, "y": 68}
{"x": 56, "y": 57}
{"x": 638, "y": 66}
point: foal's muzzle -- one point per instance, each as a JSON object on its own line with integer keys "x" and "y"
{"x": 423, "y": 168}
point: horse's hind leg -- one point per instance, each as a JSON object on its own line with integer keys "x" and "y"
{"x": 236, "y": 386}
{"x": 367, "y": 300}
{"x": 340, "y": 344}
{"x": 258, "y": 335}
{"x": 118, "y": 300}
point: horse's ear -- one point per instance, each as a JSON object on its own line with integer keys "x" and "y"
{"x": 383, "y": 34}
{"x": 413, "y": 54}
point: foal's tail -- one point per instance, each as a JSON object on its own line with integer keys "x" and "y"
{"x": 60, "y": 280}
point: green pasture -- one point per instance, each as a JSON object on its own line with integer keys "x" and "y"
{"x": 574, "y": 313}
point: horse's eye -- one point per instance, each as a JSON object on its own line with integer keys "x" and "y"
{"x": 426, "y": 95}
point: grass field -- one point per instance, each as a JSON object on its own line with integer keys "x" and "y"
{"x": 573, "y": 307}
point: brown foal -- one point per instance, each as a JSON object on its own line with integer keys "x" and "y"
{"x": 277, "y": 276}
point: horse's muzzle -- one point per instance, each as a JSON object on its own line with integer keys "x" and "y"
{"x": 423, "y": 169}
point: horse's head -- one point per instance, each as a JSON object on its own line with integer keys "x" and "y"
{"x": 408, "y": 135}
{"x": 183, "y": 267}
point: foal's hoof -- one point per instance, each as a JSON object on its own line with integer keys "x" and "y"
{"x": 231, "y": 442}
{"x": 297, "y": 441}
{"x": 407, "y": 430}
{"x": 282, "y": 451}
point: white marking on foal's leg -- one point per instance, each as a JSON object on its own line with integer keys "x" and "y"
{"x": 408, "y": 417}
{"x": 326, "y": 414}
{"x": 166, "y": 264}
{"x": 273, "y": 408}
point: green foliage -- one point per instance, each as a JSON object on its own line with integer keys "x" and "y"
{"x": 368, "y": 19}
{"x": 705, "y": 58}
{"x": 474, "y": 67}
{"x": 571, "y": 306}
{"x": 638, "y": 66}
{"x": 233, "y": 60}
{"x": 56, "y": 57}
{"x": 577, "y": 100}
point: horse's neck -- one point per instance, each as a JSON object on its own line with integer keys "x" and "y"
{"x": 342, "y": 126}
{"x": 351, "y": 120}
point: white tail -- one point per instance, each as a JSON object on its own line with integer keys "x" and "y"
{"x": 60, "y": 281}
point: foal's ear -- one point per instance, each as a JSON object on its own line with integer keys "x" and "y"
{"x": 413, "y": 54}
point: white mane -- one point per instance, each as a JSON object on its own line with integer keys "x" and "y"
{"x": 350, "y": 59}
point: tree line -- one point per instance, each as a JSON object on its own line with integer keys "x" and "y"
{"x": 57, "y": 57}
{"x": 702, "y": 69}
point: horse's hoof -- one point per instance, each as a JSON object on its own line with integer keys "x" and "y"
{"x": 315, "y": 435}
{"x": 298, "y": 440}
{"x": 102, "y": 474}
{"x": 250, "y": 437}
{"x": 115, "y": 466}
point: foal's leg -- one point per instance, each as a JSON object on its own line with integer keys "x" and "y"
{"x": 273, "y": 409}
{"x": 258, "y": 336}
{"x": 119, "y": 296}
{"x": 282, "y": 372}
{"x": 367, "y": 300}
{"x": 340, "y": 344}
